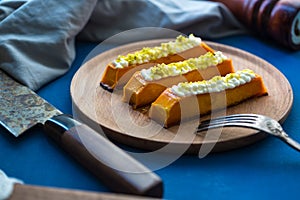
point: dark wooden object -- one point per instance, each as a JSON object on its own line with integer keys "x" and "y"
{"x": 277, "y": 19}
{"x": 119, "y": 171}
{"x": 31, "y": 192}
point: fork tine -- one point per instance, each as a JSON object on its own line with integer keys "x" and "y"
{"x": 226, "y": 124}
{"x": 252, "y": 116}
{"x": 242, "y": 115}
{"x": 238, "y": 117}
{"x": 215, "y": 122}
{"x": 229, "y": 124}
{"x": 221, "y": 123}
{"x": 223, "y": 120}
{"x": 237, "y": 120}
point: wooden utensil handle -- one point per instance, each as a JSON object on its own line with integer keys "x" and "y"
{"x": 32, "y": 192}
{"x": 115, "y": 168}
{"x": 277, "y": 19}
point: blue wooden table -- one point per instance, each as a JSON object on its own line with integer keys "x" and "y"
{"x": 268, "y": 169}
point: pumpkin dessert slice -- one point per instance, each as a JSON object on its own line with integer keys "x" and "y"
{"x": 119, "y": 71}
{"x": 192, "y": 99}
{"x": 146, "y": 85}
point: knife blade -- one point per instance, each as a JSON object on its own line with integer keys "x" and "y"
{"x": 22, "y": 108}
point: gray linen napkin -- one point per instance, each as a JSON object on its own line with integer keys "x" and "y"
{"x": 37, "y": 36}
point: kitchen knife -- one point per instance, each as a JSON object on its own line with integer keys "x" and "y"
{"x": 21, "y": 109}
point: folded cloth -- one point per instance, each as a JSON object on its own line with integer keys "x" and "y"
{"x": 7, "y": 185}
{"x": 37, "y": 36}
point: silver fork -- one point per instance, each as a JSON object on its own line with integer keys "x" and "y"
{"x": 253, "y": 121}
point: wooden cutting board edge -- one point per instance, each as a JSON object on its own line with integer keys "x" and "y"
{"x": 135, "y": 141}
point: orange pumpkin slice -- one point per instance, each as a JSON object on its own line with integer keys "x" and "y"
{"x": 119, "y": 71}
{"x": 193, "y": 99}
{"x": 146, "y": 85}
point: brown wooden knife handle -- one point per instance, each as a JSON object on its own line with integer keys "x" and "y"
{"x": 115, "y": 168}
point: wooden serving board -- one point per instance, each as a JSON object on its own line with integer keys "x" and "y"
{"x": 105, "y": 111}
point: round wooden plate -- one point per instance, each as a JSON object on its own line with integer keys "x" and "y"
{"x": 104, "y": 111}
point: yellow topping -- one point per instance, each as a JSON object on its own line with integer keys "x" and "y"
{"x": 173, "y": 69}
{"x": 147, "y": 54}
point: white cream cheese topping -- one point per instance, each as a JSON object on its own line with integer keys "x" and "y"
{"x": 216, "y": 84}
{"x": 147, "y": 54}
{"x": 173, "y": 69}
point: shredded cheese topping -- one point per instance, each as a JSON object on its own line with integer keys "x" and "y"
{"x": 173, "y": 69}
{"x": 147, "y": 54}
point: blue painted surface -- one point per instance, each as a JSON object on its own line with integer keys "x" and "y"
{"x": 265, "y": 170}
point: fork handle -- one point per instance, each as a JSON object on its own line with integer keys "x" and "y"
{"x": 291, "y": 142}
